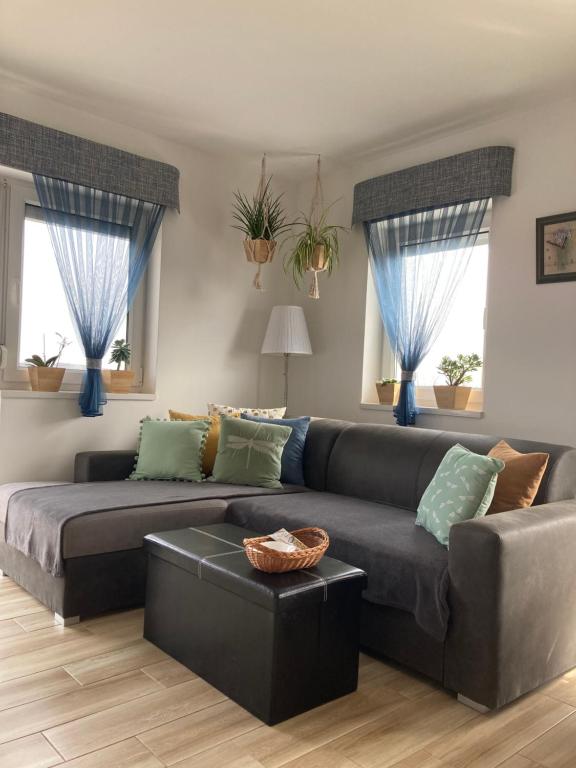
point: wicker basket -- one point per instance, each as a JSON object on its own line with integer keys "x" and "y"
{"x": 271, "y": 561}
{"x": 259, "y": 251}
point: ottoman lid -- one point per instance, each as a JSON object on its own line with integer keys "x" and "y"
{"x": 215, "y": 553}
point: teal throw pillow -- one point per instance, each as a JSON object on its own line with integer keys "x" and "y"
{"x": 461, "y": 489}
{"x": 250, "y": 453}
{"x": 171, "y": 450}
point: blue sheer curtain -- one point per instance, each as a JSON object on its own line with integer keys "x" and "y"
{"x": 418, "y": 261}
{"x": 102, "y": 243}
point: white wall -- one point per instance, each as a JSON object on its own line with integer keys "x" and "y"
{"x": 530, "y": 359}
{"x": 211, "y": 319}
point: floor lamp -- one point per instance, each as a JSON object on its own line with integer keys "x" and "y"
{"x": 286, "y": 334}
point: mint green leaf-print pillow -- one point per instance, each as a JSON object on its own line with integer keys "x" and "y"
{"x": 250, "y": 453}
{"x": 461, "y": 489}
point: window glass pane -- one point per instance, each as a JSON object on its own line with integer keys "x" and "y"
{"x": 44, "y": 311}
{"x": 464, "y": 329}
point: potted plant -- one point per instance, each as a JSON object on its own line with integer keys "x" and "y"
{"x": 261, "y": 220}
{"x": 388, "y": 390}
{"x": 43, "y": 372}
{"x": 457, "y": 372}
{"x": 316, "y": 250}
{"x": 119, "y": 380}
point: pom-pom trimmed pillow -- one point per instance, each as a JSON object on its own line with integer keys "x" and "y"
{"x": 211, "y": 445}
{"x": 231, "y": 410}
{"x": 461, "y": 489}
{"x": 171, "y": 450}
{"x": 293, "y": 454}
{"x": 250, "y": 453}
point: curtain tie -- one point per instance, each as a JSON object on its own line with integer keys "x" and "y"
{"x": 406, "y": 375}
{"x": 94, "y": 363}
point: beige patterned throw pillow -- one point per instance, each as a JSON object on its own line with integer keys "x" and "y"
{"x": 231, "y": 410}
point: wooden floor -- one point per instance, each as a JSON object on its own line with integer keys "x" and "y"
{"x": 99, "y": 696}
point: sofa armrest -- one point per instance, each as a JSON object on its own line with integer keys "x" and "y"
{"x": 512, "y": 602}
{"x": 93, "y": 466}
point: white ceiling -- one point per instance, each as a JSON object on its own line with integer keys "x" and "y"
{"x": 330, "y": 76}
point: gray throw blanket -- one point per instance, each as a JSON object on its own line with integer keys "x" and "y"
{"x": 35, "y": 517}
{"x": 407, "y": 568}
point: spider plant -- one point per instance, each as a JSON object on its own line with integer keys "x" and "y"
{"x": 313, "y": 234}
{"x": 262, "y": 217}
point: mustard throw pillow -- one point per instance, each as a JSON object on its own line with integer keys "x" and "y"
{"x": 520, "y": 479}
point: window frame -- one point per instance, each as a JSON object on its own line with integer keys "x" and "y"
{"x": 379, "y": 356}
{"x": 17, "y": 193}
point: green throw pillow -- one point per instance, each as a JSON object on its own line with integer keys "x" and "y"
{"x": 250, "y": 453}
{"x": 171, "y": 450}
{"x": 461, "y": 489}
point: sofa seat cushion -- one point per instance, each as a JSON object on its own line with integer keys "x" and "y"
{"x": 51, "y": 523}
{"x": 122, "y": 529}
{"x": 407, "y": 568}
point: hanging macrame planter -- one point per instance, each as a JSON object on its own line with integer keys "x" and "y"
{"x": 261, "y": 219}
{"x": 315, "y": 246}
{"x": 317, "y": 262}
{"x": 260, "y": 250}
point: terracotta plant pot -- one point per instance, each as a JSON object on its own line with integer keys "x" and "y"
{"x": 452, "y": 398}
{"x": 45, "y": 379}
{"x": 388, "y": 393}
{"x": 118, "y": 381}
{"x": 318, "y": 260}
{"x": 259, "y": 251}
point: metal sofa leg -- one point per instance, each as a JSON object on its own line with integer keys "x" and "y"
{"x": 473, "y": 704}
{"x": 67, "y": 621}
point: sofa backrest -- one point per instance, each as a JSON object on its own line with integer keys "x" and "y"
{"x": 322, "y": 434}
{"x": 394, "y": 465}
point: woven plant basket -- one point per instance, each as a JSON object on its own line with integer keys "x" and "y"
{"x": 271, "y": 561}
{"x": 118, "y": 381}
{"x": 259, "y": 251}
{"x": 44, "y": 379}
{"x": 318, "y": 259}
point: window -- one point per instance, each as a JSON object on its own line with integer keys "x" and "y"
{"x": 35, "y": 304}
{"x": 463, "y": 332}
{"x": 43, "y": 307}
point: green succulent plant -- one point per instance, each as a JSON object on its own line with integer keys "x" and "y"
{"x": 262, "y": 217}
{"x": 383, "y": 382}
{"x": 120, "y": 353}
{"x": 457, "y": 369}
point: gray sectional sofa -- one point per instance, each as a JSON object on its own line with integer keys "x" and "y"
{"x": 491, "y": 618}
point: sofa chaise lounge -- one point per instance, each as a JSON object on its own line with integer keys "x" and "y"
{"x": 491, "y": 618}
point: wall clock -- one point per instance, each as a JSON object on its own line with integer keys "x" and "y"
{"x": 556, "y": 248}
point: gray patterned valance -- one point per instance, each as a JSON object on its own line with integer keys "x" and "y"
{"x": 474, "y": 175}
{"x": 37, "y": 149}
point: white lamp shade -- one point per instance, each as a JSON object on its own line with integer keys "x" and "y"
{"x": 287, "y": 332}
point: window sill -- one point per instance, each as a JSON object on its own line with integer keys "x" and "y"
{"x": 28, "y": 394}
{"x": 427, "y": 411}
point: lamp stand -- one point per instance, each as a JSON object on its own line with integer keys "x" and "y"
{"x": 286, "y": 356}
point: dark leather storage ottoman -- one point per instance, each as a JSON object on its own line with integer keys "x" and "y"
{"x": 277, "y": 644}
